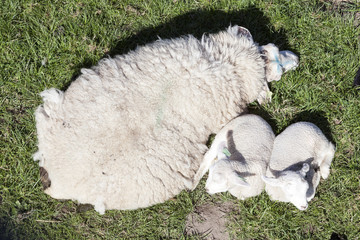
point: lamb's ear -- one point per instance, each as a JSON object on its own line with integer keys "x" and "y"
{"x": 305, "y": 168}
{"x": 240, "y": 31}
{"x": 220, "y": 150}
{"x": 239, "y": 181}
{"x": 275, "y": 182}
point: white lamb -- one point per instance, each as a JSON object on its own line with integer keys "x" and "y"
{"x": 301, "y": 153}
{"x": 249, "y": 139}
{"x": 130, "y": 132}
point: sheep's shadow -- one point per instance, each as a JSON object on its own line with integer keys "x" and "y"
{"x": 197, "y": 23}
{"x": 318, "y": 118}
{"x": 260, "y": 111}
{"x": 235, "y": 154}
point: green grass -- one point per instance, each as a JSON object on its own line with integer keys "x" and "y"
{"x": 45, "y": 44}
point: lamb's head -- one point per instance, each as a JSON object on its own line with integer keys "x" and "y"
{"x": 277, "y": 62}
{"x": 293, "y": 185}
{"x": 223, "y": 178}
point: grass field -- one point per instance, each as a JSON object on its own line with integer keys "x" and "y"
{"x": 45, "y": 44}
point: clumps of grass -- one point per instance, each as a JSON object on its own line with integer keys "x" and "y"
{"x": 45, "y": 44}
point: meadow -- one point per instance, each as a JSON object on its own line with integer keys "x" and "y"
{"x": 44, "y": 44}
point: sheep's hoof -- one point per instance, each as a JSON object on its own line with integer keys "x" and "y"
{"x": 44, "y": 177}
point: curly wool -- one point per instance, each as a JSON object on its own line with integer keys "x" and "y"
{"x": 249, "y": 139}
{"x": 130, "y": 132}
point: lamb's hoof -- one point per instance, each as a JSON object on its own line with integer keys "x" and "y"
{"x": 44, "y": 177}
{"x": 325, "y": 172}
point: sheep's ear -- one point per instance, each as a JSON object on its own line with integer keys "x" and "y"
{"x": 240, "y": 31}
{"x": 305, "y": 168}
{"x": 275, "y": 182}
{"x": 270, "y": 51}
{"x": 289, "y": 60}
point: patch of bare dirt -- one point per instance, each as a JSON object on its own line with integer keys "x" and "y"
{"x": 209, "y": 221}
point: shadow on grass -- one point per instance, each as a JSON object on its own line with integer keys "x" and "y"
{"x": 197, "y": 23}
{"x": 336, "y": 236}
{"x": 255, "y": 109}
{"x": 318, "y": 118}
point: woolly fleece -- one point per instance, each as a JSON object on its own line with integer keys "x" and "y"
{"x": 249, "y": 139}
{"x": 300, "y": 143}
{"x": 130, "y": 132}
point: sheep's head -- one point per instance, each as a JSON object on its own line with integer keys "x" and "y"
{"x": 223, "y": 178}
{"x": 293, "y": 185}
{"x": 277, "y": 62}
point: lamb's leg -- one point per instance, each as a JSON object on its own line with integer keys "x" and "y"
{"x": 209, "y": 157}
{"x": 204, "y": 166}
{"x": 326, "y": 159}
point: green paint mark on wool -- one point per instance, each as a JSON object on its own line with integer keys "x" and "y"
{"x": 226, "y": 152}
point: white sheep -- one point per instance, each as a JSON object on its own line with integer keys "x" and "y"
{"x": 301, "y": 153}
{"x": 130, "y": 132}
{"x": 249, "y": 139}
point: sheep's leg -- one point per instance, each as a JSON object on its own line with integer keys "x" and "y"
{"x": 264, "y": 95}
{"x": 99, "y": 205}
{"x": 53, "y": 99}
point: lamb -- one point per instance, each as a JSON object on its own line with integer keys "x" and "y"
{"x": 130, "y": 132}
{"x": 301, "y": 154}
{"x": 249, "y": 139}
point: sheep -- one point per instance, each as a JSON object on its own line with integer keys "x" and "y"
{"x": 301, "y": 154}
{"x": 131, "y": 131}
{"x": 249, "y": 139}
